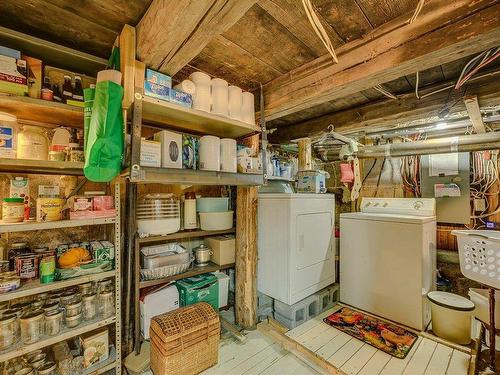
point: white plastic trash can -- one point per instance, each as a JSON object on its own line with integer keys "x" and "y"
{"x": 451, "y": 316}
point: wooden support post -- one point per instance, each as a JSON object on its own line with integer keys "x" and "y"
{"x": 127, "y": 64}
{"x": 246, "y": 257}
{"x": 472, "y": 105}
{"x": 305, "y": 154}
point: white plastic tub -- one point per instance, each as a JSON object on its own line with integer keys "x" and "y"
{"x": 216, "y": 220}
{"x": 451, "y": 316}
{"x": 481, "y": 300}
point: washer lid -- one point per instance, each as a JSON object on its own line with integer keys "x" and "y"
{"x": 451, "y": 301}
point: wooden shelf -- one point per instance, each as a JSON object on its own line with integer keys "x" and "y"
{"x": 35, "y": 287}
{"x": 34, "y": 225}
{"x": 185, "y": 235}
{"x": 277, "y": 178}
{"x": 192, "y": 177}
{"x": 41, "y": 167}
{"x": 165, "y": 114}
{"x": 194, "y": 271}
{"x": 41, "y": 111}
{"x": 20, "y": 349}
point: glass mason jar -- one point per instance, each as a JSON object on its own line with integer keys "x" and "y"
{"x": 32, "y": 326}
{"x": 9, "y": 331}
{"x": 89, "y": 306}
{"x": 53, "y": 322}
{"x": 106, "y": 304}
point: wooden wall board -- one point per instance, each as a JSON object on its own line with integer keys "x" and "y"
{"x": 379, "y": 12}
{"x": 426, "y": 77}
{"x": 89, "y": 26}
{"x": 262, "y": 36}
{"x": 345, "y": 17}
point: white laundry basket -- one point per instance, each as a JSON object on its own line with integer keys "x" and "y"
{"x": 479, "y": 252}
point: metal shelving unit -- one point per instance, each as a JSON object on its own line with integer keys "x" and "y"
{"x": 35, "y": 287}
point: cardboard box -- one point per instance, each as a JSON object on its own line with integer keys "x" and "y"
{"x": 156, "y": 91}
{"x": 190, "y": 147}
{"x": 158, "y": 78}
{"x": 6, "y": 51}
{"x": 223, "y": 248}
{"x": 202, "y": 288}
{"x": 171, "y": 148}
{"x": 35, "y": 76}
{"x": 13, "y": 70}
{"x": 180, "y": 98}
{"x": 150, "y": 153}
{"x": 95, "y": 347}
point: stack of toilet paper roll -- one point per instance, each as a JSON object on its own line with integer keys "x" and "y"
{"x": 217, "y": 154}
{"x": 215, "y": 95}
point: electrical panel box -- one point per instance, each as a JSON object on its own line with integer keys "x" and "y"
{"x": 446, "y": 177}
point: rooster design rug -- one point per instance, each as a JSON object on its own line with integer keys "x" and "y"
{"x": 387, "y": 337}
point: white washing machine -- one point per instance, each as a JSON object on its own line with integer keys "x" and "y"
{"x": 296, "y": 248}
{"x": 388, "y": 258}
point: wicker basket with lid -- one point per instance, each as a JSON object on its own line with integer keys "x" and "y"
{"x": 185, "y": 341}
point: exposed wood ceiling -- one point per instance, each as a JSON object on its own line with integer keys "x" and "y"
{"x": 271, "y": 39}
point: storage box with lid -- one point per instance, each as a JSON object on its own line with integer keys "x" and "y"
{"x": 223, "y": 248}
{"x": 159, "y": 302}
{"x": 202, "y": 288}
{"x": 185, "y": 341}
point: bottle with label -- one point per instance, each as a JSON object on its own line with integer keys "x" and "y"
{"x": 67, "y": 89}
{"x": 47, "y": 93}
{"x": 78, "y": 91}
{"x": 57, "y": 93}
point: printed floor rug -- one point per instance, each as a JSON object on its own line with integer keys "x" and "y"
{"x": 380, "y": 334}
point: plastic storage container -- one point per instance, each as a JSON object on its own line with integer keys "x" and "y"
{"x": 8, "y": 133}
{"x": 158, "y": 214}
{"x": 32, "y": 143}
{"x": 480, "y": 299}
{"x": 212, "y": 204}
{"x": 216, "y": 220}
{"x": 451, "y": 316}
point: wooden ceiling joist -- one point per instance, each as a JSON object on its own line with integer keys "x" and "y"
{"x": 390, "y": 113}
{"x": 173, "y": 32}
{"x": 443, "y": 32}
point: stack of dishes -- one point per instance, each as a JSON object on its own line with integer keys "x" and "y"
{"x": 158, "y": 214}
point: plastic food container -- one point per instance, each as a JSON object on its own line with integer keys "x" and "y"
{"x": 480, "y": 298}
{"x": 216, "y": 220}
{"x": 451, "y": 316}
{"x": 32, "y": 326}
{"x": 9, "y": 331}
{"x": 158, "y": 214}
{"x": 53, "y": 322}
{"x": 13, "y": 210}
{"x": 32, "y": 143}
{"x": 49, "y": 209}
{"x": 212, "y": 204}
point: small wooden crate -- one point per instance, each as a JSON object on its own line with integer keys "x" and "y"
{"x": 185, "y": 341}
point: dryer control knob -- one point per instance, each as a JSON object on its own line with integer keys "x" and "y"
{"x": 418, "y": 205}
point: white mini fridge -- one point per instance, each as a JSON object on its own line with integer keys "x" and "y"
{"x": 296, "y": 245}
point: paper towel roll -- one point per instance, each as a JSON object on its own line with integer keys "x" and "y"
{"x": 209, "y": 153}
{"x": 186, "y": 86}
{"x": 235, "y": 101}
{"x": 220, "y": 99}
{"x": 228, "y": 155}
{"x": 247, "y": 108}
{"x": 201, "y": 98}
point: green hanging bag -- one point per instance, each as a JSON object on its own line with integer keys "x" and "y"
{"x": 104, "y": 139}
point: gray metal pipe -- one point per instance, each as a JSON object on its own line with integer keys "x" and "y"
{"x": 461, "y": 143}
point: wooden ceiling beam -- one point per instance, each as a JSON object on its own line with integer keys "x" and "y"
{"x": 388, "y": 113}
{"x": 173, "y": 32}
{"x": 444, "y": 31}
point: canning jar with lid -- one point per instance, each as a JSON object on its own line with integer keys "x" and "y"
{"x": 9, "y": 331}
{"x": 106, "y": 304}
{"x": 89, "y": 306}
{"x": 85, "y": 288}
{"x": 68, "y": 297}
{"x": 51, "y": 306}
{"x": 73, "y": 308}
{"x": 105, "y": 286}
{"x": 73, "y": 321}
{"x": 53, "y": 322}
{"x": 13, "y": 210}
{"x": 32, "y": 326}
{"x": 48, "y": 368}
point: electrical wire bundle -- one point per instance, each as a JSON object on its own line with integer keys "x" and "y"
{"x": 484, "y": 177}
{"x": 410, "y": 170}
{"x": 475, "y": 64}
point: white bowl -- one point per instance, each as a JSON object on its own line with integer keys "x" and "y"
{"x": 216, "y": 220}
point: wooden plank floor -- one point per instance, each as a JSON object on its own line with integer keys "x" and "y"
{"x": 258, "y": 355}
{"x": 353, "y": 357}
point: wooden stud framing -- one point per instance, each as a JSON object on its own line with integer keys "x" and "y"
{"x": 169, "y": 46}
{"x": 246, "y": 257}
{"x": 444, "y": 31}
{"x": 472, "y": 105}
{"x": 127, "y": 64}
{"x": 305, "y": 154}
